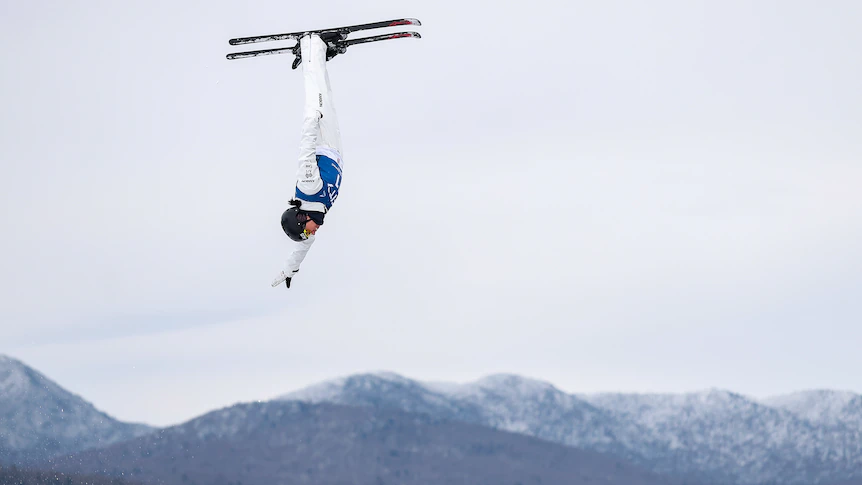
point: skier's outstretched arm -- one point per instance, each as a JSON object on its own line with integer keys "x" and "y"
{"x": 300, "y": 250}
{"x": 308, "y": 181}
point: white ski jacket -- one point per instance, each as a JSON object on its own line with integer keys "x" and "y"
{"x": 318, "y": 179}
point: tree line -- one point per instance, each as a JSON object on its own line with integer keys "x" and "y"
{"x": 12, "y": 475}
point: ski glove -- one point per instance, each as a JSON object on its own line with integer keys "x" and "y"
{"x": 282, "y": 278}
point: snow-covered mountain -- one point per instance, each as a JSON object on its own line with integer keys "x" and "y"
{"x": 537, "y": 408}
{"x": 712, "y": 435}
{"x": 505, "y": 402}
{"x": 38, "y": 418}
{"x": 737, "y": 439}
{"x": 386, "y": 390}
{"x": 822, "y": 407}
{"x": 280, "y": 443}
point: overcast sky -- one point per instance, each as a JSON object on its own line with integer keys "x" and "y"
{"x": 611, "y": 196}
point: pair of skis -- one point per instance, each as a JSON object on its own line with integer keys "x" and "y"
{"x": 336, "y": 39}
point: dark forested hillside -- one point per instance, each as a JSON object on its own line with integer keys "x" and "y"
{"x": 18, "y": 476}
{"x": 281, "y": 443}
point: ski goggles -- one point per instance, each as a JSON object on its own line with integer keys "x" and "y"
{"x": 305, "y": 232}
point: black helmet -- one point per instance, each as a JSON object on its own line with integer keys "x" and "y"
{"x": 293, "y": 222}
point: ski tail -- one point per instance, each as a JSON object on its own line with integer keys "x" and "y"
{"x": 341, "y": 30}
{"x": 262, "y": 52}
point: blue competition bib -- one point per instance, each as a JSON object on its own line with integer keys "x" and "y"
{"x": 330, "y": 173}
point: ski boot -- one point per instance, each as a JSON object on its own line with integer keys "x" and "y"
{"x": 334, "y": 43}
{"x": 334, "y": 46}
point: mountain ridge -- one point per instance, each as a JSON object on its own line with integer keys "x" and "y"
{"x": 39, "y": 418}
{"x": 285, "y": 442}
{"x": 712, "y": 434}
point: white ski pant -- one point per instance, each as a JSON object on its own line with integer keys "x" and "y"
{"x": 318, "y": 92}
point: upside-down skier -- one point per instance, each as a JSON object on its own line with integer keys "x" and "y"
{"x": 319, "y": 175}
{"x": 321, "y": 166}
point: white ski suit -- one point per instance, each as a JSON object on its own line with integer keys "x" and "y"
{"x": 318, "y": 177}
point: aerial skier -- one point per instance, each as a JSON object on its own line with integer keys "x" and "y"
{"x": 321, "y": 164}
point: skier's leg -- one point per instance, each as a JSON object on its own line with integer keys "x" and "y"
{"x": 318, "y": 92}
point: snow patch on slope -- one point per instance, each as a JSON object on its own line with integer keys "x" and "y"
{"x": 821, "y": 406}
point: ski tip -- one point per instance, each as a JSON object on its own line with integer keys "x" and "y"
{"x": 400, "y": 22}
{"x": 413, "y": 22}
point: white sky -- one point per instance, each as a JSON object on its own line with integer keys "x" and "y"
{"x": 610, "y": 196}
